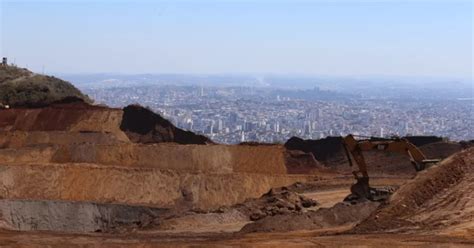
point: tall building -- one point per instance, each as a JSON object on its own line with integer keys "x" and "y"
{"x": 220, "y": 125}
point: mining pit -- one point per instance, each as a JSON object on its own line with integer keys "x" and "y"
{"x": 76, "y": 175}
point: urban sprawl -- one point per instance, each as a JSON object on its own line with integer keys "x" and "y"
{"x": 244, "y": 114}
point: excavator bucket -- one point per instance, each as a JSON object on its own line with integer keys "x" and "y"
{"x": 361, "y": 191}
{"x": 361, "y": 188}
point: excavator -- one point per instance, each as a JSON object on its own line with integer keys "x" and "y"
{"x": 354, "y": 148}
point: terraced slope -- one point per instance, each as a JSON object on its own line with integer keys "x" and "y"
{"x": 68, "y": 161}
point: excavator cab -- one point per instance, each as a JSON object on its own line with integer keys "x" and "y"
{"x": 361, "y": 190}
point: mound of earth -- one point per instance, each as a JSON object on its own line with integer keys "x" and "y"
{"x": 440, "y": 199}
{"x": 278, "y": 201}
{"x": 339, "y": 215}
{"x": 441, "y": 149}
{"x": 144, "y": 126}
{"x": 22, "y": 88}
{"x": 324, "y": 150}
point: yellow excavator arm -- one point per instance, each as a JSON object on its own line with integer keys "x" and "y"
{"x": 354, "y": 149}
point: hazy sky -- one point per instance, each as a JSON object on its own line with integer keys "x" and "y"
{"x": 431, "y": 38}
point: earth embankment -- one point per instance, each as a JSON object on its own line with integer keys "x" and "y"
{"x": 438, "y": 200}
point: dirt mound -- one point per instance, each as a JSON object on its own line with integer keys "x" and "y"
{"x": 441, "y": 149}
{"x": 324, "y": 150}
{"x": 437, "y": 199}
{"x": 144, "y": 126}
{"x": 339, "y": 215}
{"x": 278, "y": 201}
{"x": 218, "y": 222}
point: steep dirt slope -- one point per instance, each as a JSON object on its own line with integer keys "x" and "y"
{"x": 144, "y": 126}
{"x": 135, "y": 186}
{"x": 71, "y": 117}
{"x": 442, "y": 149}
{"x": 440, "y": 199}
{"x": 214, "y": 159}
{"x": 21, "y": 139}
{"x": 82, "y": 155}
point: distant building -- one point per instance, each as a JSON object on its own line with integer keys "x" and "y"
{"x": 220, "y": 125}
{"x": 4, "y": 61}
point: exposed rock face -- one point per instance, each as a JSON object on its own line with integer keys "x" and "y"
{"x": 135, "y": 186}
{"x": 144, "y": 126}
{"x": 216, "y": 159}
{"x": 68, "y": 117}
{"x": 77, "y": 217}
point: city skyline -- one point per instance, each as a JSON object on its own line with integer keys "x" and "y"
{"x": 232, "y": 115}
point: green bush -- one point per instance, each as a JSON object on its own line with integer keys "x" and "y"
{"x": 23, "y": 88}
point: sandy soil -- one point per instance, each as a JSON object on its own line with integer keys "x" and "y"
{"x": 322, "y": 238}
{"x": 328, "y": 198}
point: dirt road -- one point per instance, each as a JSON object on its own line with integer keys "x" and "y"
{"x": 298, "y": 239}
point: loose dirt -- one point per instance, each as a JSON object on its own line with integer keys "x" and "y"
{"x": 341, "y": 214}
{"x": 440, "y": 199}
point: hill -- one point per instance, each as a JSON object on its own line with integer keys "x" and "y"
{"x": 20, "y": 87}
